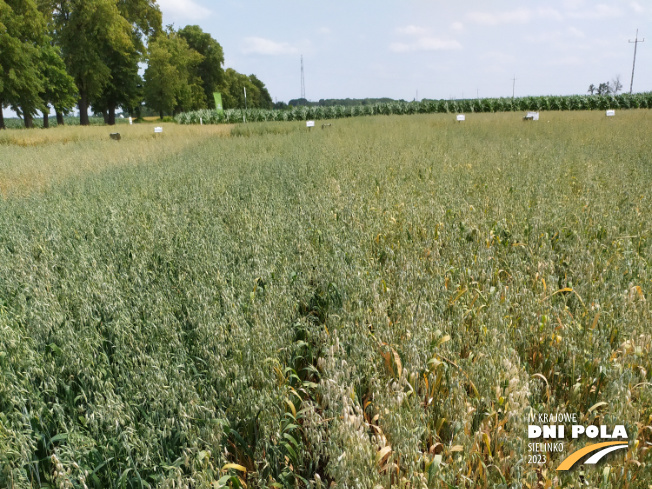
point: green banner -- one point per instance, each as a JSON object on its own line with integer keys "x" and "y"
{"x": 218, "y": 102}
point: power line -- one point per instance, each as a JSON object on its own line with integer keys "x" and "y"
{"x": 635, "y": 43}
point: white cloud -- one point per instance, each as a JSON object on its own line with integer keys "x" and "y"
{"x": 424, "y": 44}
{"x": 574, "y": 4}
{"x": 549, "y": 13}
{"x": 637, "y": 7}
{"x": 185, "y": 9}
{"x": 267, "y": 47}
{"x": 324, "y": 30}
{"x": 555, "y": 38}
{"x": 498, "y": 57}
{"x": 575, "y": 32}
{"x": 412, "y": 30}
{"x": 421, "y": 40}
{"x": 519, "y": 16}
{"x": 568, "y": 61}
{"x": 457, "y": 26}
{"x": 601, "y": 11}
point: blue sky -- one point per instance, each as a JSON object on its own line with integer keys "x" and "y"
{"x": 443, "y": 49}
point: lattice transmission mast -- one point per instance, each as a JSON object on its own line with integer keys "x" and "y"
{"x": 303, "y": 81}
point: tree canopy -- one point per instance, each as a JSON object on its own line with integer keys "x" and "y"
{"x": 22, "y": 32}
{"x": 234, "y": 87}
{"x": 185, "y": 68}
{"x": 61, "y": 53}
{"x": 171, "y": 82}
{"x": 209, "y": 70}
{"x": 90, "y": 33}
{"x": 59, "y": 88}
{"x": 124, "y": 87}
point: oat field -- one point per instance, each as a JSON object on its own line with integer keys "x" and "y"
{"x": 377, "y": 304}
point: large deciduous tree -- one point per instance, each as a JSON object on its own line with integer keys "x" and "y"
{"x": 124, "y": 87}
{"x": 604, "y": 89}
{"x": 264, "y": 100}
{"x": 22, "y": 30}
{"x": 59, "y": 88}
{"x": 210, "y": 70}
{"x": 616, "y": 85}
{"x": 233, "y": 91}
{"x": 89, "y": 32}
{"x": 171, "y": 83}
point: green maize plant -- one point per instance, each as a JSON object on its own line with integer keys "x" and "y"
{"x": 504, "y": 104}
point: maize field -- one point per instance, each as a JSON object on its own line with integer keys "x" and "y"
{"x": 491, "y": 105}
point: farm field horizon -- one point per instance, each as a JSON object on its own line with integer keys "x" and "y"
{"x": 381, "y": 303}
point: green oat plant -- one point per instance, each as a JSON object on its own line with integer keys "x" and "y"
{"x": 377, "y": 305}
{"x": 31, "y": 160}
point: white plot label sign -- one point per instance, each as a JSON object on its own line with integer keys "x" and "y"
{"x": 310, "y": 123}
{"x": 461, "y": 117}
{"x": 611, "y": 113}
{"x": 158, "y": 130}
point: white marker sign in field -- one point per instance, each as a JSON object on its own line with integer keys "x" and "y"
{"x": 461, "y": 118}
{"x": 310, "y": 123}
{"x": 611, "y": 113}
{"x": 158, "y": 129}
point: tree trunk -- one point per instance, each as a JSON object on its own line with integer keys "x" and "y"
{"x": 83, "y": 108}
{"x": 111, "y": 120}
{"x": 60, "y": 121}
{"x": 46, "y": 115}
{"x": 161, "y": 115}
{"x": 105, "y": 116}
{"x": 29, "y": 120}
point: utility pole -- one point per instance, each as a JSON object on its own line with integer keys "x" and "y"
{"x": 513, "y": 86}
{"x": 635, "y": 43}
{"x": 303, "y": 82}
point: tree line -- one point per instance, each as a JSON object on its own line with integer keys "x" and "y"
{"x": 606, "y": 88}
{"x": 63, "y": 54}
{"x": 332, "y": 102}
